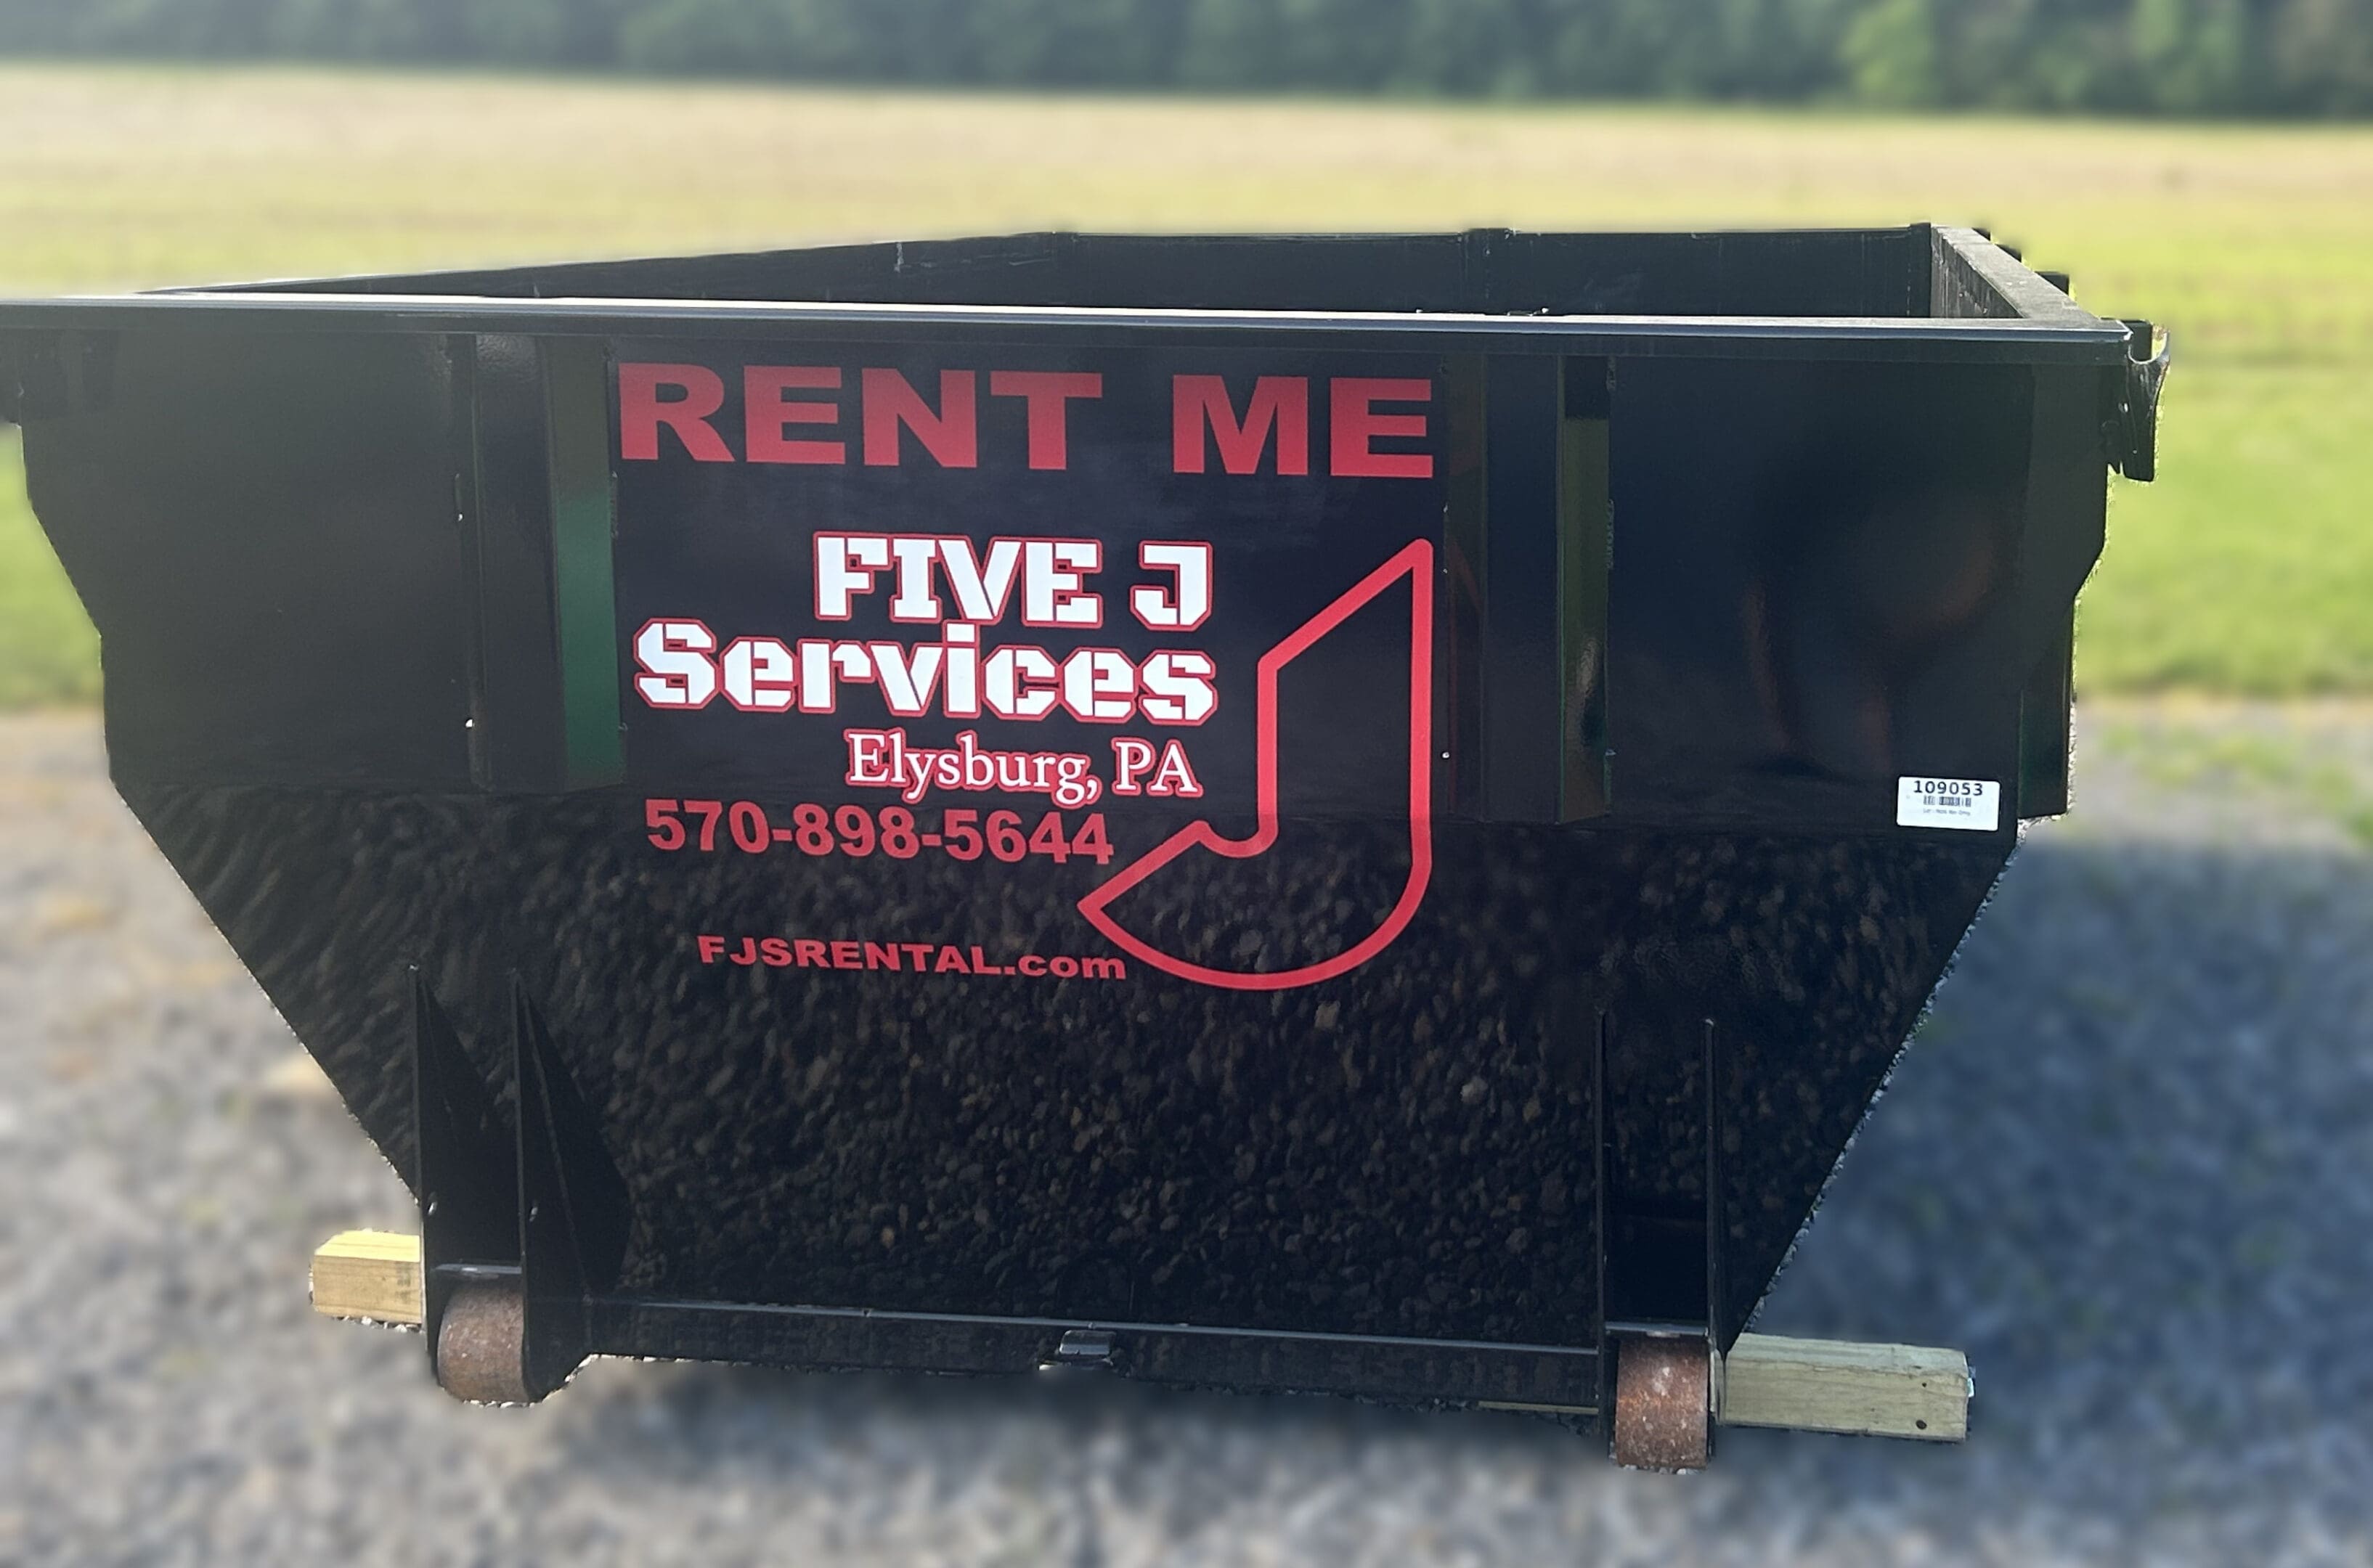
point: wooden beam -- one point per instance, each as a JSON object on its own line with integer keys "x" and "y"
{"x": 1803, "y": 1385}
{"x": 369, "y": 1274}
{"x": 1835, "y": 1386}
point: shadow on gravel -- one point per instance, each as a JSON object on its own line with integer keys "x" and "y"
{"x": 2128, "y": 1167}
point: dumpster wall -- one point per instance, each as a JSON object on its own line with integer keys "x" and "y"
{"x": 1564, "y": 769}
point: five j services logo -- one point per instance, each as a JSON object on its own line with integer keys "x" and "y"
{"x": 846, "y": 592}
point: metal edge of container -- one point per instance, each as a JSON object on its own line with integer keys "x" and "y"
{"x": 2034, "y": 322}
{"x": 1044, "y": 245}
{"x": 2088, "y": 341}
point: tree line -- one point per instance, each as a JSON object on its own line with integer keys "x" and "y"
{"x": 2228, "y": 57}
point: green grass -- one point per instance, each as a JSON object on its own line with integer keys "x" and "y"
{"x": 2298, "y": 761}
{"x": 2248, "y": 569}
{"x": 48, "y": 652}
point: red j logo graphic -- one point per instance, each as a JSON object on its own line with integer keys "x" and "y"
{"x": 1415, "y": 564}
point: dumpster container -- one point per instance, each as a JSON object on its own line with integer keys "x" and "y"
{"x": 1362, "y": 815}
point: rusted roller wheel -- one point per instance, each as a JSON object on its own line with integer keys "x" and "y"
{"x": 482, "y": 1345}
{"x": 1663, "y": 1399}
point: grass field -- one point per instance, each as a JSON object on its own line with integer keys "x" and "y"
{"x": 2246, "y": 569}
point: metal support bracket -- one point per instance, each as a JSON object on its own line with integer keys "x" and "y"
{"x": 464, "y": 1161}
{"x": 522, "y": 1224}
{"x": 574, "y": 1207}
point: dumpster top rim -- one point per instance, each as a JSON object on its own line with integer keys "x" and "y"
{"x": 2032, "y": 321}
{"x": 2085, "y": 340}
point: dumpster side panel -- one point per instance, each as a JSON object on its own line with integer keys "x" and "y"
{"x": 1815, "y": 586}
{"x": 265, "y": 531}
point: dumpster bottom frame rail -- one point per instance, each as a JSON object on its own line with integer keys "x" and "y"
{"x": 1854, "y": 1389}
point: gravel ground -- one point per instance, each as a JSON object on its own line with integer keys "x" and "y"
{"x": 2129, "y": 1168}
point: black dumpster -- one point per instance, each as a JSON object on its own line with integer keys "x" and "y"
{"x": 1345, "y": 814}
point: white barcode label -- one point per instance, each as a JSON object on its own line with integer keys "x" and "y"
{"x": 1973, "y": 805}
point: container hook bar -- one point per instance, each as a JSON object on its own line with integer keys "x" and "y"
{"x": 2133, "y": 443}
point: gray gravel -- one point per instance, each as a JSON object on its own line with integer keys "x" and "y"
{"x": 2129, "y": 1168}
